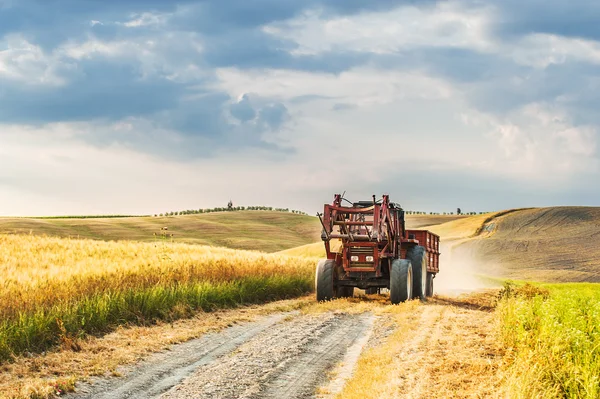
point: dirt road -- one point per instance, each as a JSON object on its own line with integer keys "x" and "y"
{"x": 447, "y": 348}
{"x": 281, "y": 356}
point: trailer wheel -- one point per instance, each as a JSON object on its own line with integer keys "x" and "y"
{"x": 429, "y": 291}
{"x": 418, "y": 258}
{"x": 324, "y": 280}
{"x": 345, "y": 292}
{"x": 400, "y": 281}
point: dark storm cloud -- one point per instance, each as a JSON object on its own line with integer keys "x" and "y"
{"x": 573, "y": 18}
{"x": 113, "y": 88}
{"x": 97, "y": 90}
{"x": 231, "y": 35}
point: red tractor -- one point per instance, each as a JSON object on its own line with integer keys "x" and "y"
{"x": 369, "y": 247}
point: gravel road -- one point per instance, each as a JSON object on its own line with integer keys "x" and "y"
{"x": 286, "y": 355}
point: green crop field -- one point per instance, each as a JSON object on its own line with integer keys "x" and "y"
{"x": 551, "y": 334}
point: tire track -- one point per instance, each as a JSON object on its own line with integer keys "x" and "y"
{"x": 162, "y": 371}
{"x": 289, "y": 360}
{"x": 300, "y": 379}
{"x": 408, "y": 383}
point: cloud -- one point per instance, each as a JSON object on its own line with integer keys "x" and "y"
{"x": 358, "y": 86}
{"x": 459, "y": 97}
{"x": 447, "y": 25}
{"x": 243, "y": 109}
{"x": 575, "y": 19}
{"x": 145, "y": 19}
{"x": 27, "y": 63}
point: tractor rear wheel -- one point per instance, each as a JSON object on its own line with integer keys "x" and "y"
{"x": 418, "y": 258}
{"x": 324, "y": 280}
{"x": 400, "y": 281}
{"x": 429, "y": 291}
{"x": 345, "y": 292}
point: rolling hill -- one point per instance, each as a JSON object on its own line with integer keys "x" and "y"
{"x": 556, "y": 244}
{"x": 253, "y": 230}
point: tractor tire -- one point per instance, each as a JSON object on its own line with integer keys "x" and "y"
{"x": 429, "y": 291}
{"x": 345, "y": 292}
{"x": 418, "y": 259}
{"x": 325, "y": 279}
{"x": 371, "y": 290}
{"x": 400, "y": 281}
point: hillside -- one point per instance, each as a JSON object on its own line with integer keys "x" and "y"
{"x": 254, "y": 230}
{"x": 544, "y": 244}
{"x": 422, "y": 221}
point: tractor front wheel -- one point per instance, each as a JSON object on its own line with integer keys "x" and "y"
{"x": 400, "y": 281}
{"x": 324, "y": 280}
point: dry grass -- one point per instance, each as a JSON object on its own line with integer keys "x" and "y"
{"x": 314, "y": 250}
{"x": 423, "y": 221}
{"x": 461, "y": 228}
{"x": 253, "y": 230}
{"x": 443, "y": 349}
{"x": 548, "y": 244}
{"x": 40, "y": 376}
{"x": 56, "y": 290}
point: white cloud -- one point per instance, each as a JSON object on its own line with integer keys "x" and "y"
{"x": 540, "y": 50}
{"x": 360, "y": 86}
{"x": 540, "y": 143}
{"x": 445, "y": 25}
{"x": 95, "y": 47}
{"x": 153, "y": 54}
{"x": 146, "y": 19}
{"x": 448, "y": 24}
{"x": 25, "y": 62}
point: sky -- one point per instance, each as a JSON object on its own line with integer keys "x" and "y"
{"x": 147, "y": 106}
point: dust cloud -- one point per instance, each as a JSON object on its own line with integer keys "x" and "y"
{"x": 460, "y": 272}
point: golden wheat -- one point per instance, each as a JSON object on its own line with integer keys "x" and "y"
{"x": 55, "y": 286}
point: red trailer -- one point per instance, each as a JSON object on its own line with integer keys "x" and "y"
{"x": 369, "y": 247}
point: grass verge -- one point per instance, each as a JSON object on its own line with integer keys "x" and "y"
{"x": 552, "y": 336}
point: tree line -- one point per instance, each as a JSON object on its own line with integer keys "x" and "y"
{"x": 442, "y": 213}
{"x": 229, "y": 209}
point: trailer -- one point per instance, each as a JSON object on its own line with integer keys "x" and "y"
{"x": 369, "y": 247}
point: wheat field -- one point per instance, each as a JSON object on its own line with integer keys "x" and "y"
{"x": 55, "y": 290}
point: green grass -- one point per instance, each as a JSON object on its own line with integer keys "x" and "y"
{"x": 552, "y": 336}
{"x": 100, "y": 313}
{"x": 267, "y": 231}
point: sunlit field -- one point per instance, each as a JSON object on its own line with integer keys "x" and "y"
{"x": 552, "y": 338}
{"x": 55, "y": 290}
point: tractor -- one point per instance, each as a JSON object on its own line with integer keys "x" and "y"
{"x": 369, "y": 247}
